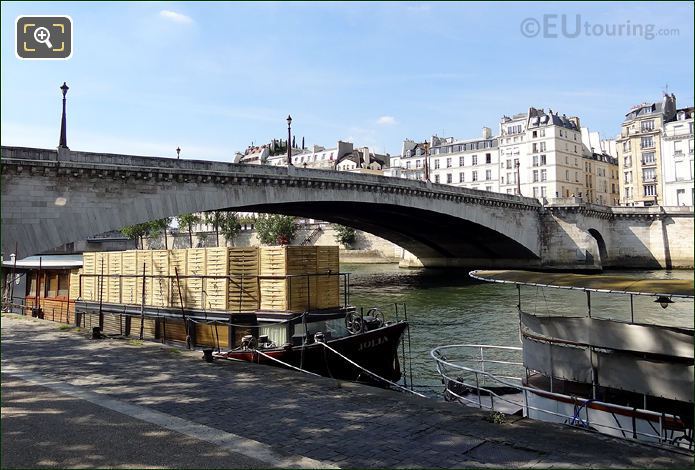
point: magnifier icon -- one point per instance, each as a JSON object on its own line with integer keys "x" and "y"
{"x": 43, "y": 36}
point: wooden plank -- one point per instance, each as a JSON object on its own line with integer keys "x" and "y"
{"x": 159, "y": 291}
{"x": 115, "y": 266}
{"x": 113, "y": 324}
{"x": 143, "y": 258}
{"x": 177, "y": 262}
{"x": 174, "y": 330}
{"x": 74, "y": 290}
{"x": 128, "y": 281}
{"x": 148, "y": 331}
{"x": 205, "y": 335}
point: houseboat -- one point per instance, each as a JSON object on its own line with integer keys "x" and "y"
{"x": 625, "y": 377}
{"x": 287, "y": 306}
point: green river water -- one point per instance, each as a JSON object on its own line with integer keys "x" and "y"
{"x": 447, "y": 307}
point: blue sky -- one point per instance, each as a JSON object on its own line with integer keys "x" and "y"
{"x": 212, "y": 77}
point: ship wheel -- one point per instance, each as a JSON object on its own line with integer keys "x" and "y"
{"x": 353, "y": 323}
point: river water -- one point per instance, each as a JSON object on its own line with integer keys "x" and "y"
{"x": 448, "y": 307}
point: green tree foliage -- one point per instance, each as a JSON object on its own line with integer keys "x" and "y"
{"x": 345, "y": 235}
{"x": 225, "y": 223}
{"x": 136, "y": 232}
{"x": 159, "y": 226}
{"x": 187, "y": 221}
{"x": 275, "y": 229}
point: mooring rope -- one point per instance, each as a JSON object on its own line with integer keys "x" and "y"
{"x": 372, "y": 373}
{"x": 284, "y": 363}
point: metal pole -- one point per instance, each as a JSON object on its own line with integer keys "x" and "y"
{"x": 37, "y": 303}
{"x": 588, "y": 302}
{"x": 142, "y": 305}
{"x": 632, "y": 310}
{"x": 477, "y": 387}
{"x": 101, "y": 295}
{"x": 183, "y": 311}
{"x": 410, "y": 353}
{"x": 14, "y": 273}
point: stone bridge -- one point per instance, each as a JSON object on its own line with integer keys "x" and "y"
{"x": 51, "y": 198}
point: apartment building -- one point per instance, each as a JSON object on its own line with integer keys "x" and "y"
{"x": 677, "y": 159}
{"x": 542, "y": 155}
{"x": 470, "y": 163}
{"x": 639, "y": 152}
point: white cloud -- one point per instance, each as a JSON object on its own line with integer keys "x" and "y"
{"x": 386, "y": 121}
{"x": 175, "y": 17}
{"x": 422, "y": 8}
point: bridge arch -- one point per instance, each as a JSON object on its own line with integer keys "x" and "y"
{"x": 48, "y": 202}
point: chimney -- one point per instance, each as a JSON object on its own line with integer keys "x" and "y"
{"x": 487, "y": 133}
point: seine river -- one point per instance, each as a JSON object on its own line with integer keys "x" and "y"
{"x": 448, "y": 307}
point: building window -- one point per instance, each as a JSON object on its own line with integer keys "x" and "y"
{"x": 461, "y": 161}
{"x": 628, "y": 177}
{"x": 474, "y": 160}
{"x": 647, "y": 142}
{"x": 567, "y": 175}
{"x": 448, "y": 162}
{"x": 626, "y": 146}
{"x": 647, "y": 125}
{"x": 488, "y": 188}
{"x": 543, "y": 160}
{"x": 535, "y": 176}
{"x": 544, "y": 175}
{"x": 649, "y": 174}
{"x": 650, "y": 190}
{"x": 488, "y": 175}
{"x": 534, "y": 134}
{"x": 488, "y": 158}
{"x": 449, "y": 178}
{"x": 535, "y": 191}
{"x": 436, "y": 163}
{"x": 542, "y": 147}
{"x": 509, "y": 164}
{"x": 475, "y": 176}
{"x": 542, "y": 191}
{"x": 407, "y": 165}
{"x": 627, "y": 161}
{"x": 436, "y": 178}
{"x": 535, "y": 160}
{"x": 648, "y": 158}
{"x": 462, "y": 178}
{"x": 417, "y": 163}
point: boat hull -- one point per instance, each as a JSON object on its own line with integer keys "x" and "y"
{"x": 375, "y": 351}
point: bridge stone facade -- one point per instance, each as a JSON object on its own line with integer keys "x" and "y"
{"x": 50, "y": 198}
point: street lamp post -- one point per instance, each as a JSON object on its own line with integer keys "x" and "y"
{"x": 63, "y": 132}
{"x": 518, "y": 177}
{"x": 289, "y": 140}
{"x": 426, "y": 146}
{"x": 178, "y": 152}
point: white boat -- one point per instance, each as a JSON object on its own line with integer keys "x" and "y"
{"x": 624, "y": 378}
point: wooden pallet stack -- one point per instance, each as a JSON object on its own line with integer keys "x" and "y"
{"x": 158, "y": 287}
{"x": 243, "y": 291}
{"x": 289, "y": 278}
{"x": 129, "y": 293}
{"x": 216, "y": 264}
{"x": 196, "y": 265}
{"x": 177, "y": 263}
{"x": 114, "y": 283}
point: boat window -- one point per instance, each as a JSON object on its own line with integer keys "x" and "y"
{"x": 276, "y": 333}
{"x": 334, "y": 328}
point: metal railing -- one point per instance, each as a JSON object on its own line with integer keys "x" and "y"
{"x": 485, "y": 381}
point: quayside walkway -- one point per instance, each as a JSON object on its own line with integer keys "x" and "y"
{"x": 70, "y": 401}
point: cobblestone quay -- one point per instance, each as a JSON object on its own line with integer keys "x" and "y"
{"x": 71, "y": 401}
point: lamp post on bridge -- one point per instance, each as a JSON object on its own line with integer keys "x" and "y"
{"x": 426, "y": 147}
{"x": 178, "y": 152}
{"x": 63, "y": 143}
{"x": 518, "y": 178}
{"x": 289, "y": 140}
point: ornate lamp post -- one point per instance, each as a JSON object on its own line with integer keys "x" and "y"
{"x": 63, "y": 132}
{"x": 518, "y": 178}
{"x": 289, "y": 140}
{"x": 426, "y": 146}
{"x": 178, "y": 152}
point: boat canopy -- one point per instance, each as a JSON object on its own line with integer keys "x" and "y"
{"x": 591, "y": 282}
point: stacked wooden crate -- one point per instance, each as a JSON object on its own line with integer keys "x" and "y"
{"x": 143, "y": 260}
{"x": 158, "y": 287}
{"x": 113, "y": 282}
{"x": 129, "y": 292}
{"x": 328, "y": 279}
{"x": 196, "y": 260}
{"x": 75, "y": 283}
{"x": 88, "y": 282}
{"x": 289, "y": 280}
{"x": 177, "y": 264}
{"x": 216, "y": 288}
{"x": 242, "y": 293}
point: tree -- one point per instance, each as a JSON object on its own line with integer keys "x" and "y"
{"x": 230, "y": 226}
{"x": 275, "y": 229}
{"x": 187, "y": 221}
{"x": 215, "y": 218}
{"x": 136, "y": 232}
{"x": 345, "y": 235}
{"x": 158, "y": 226}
